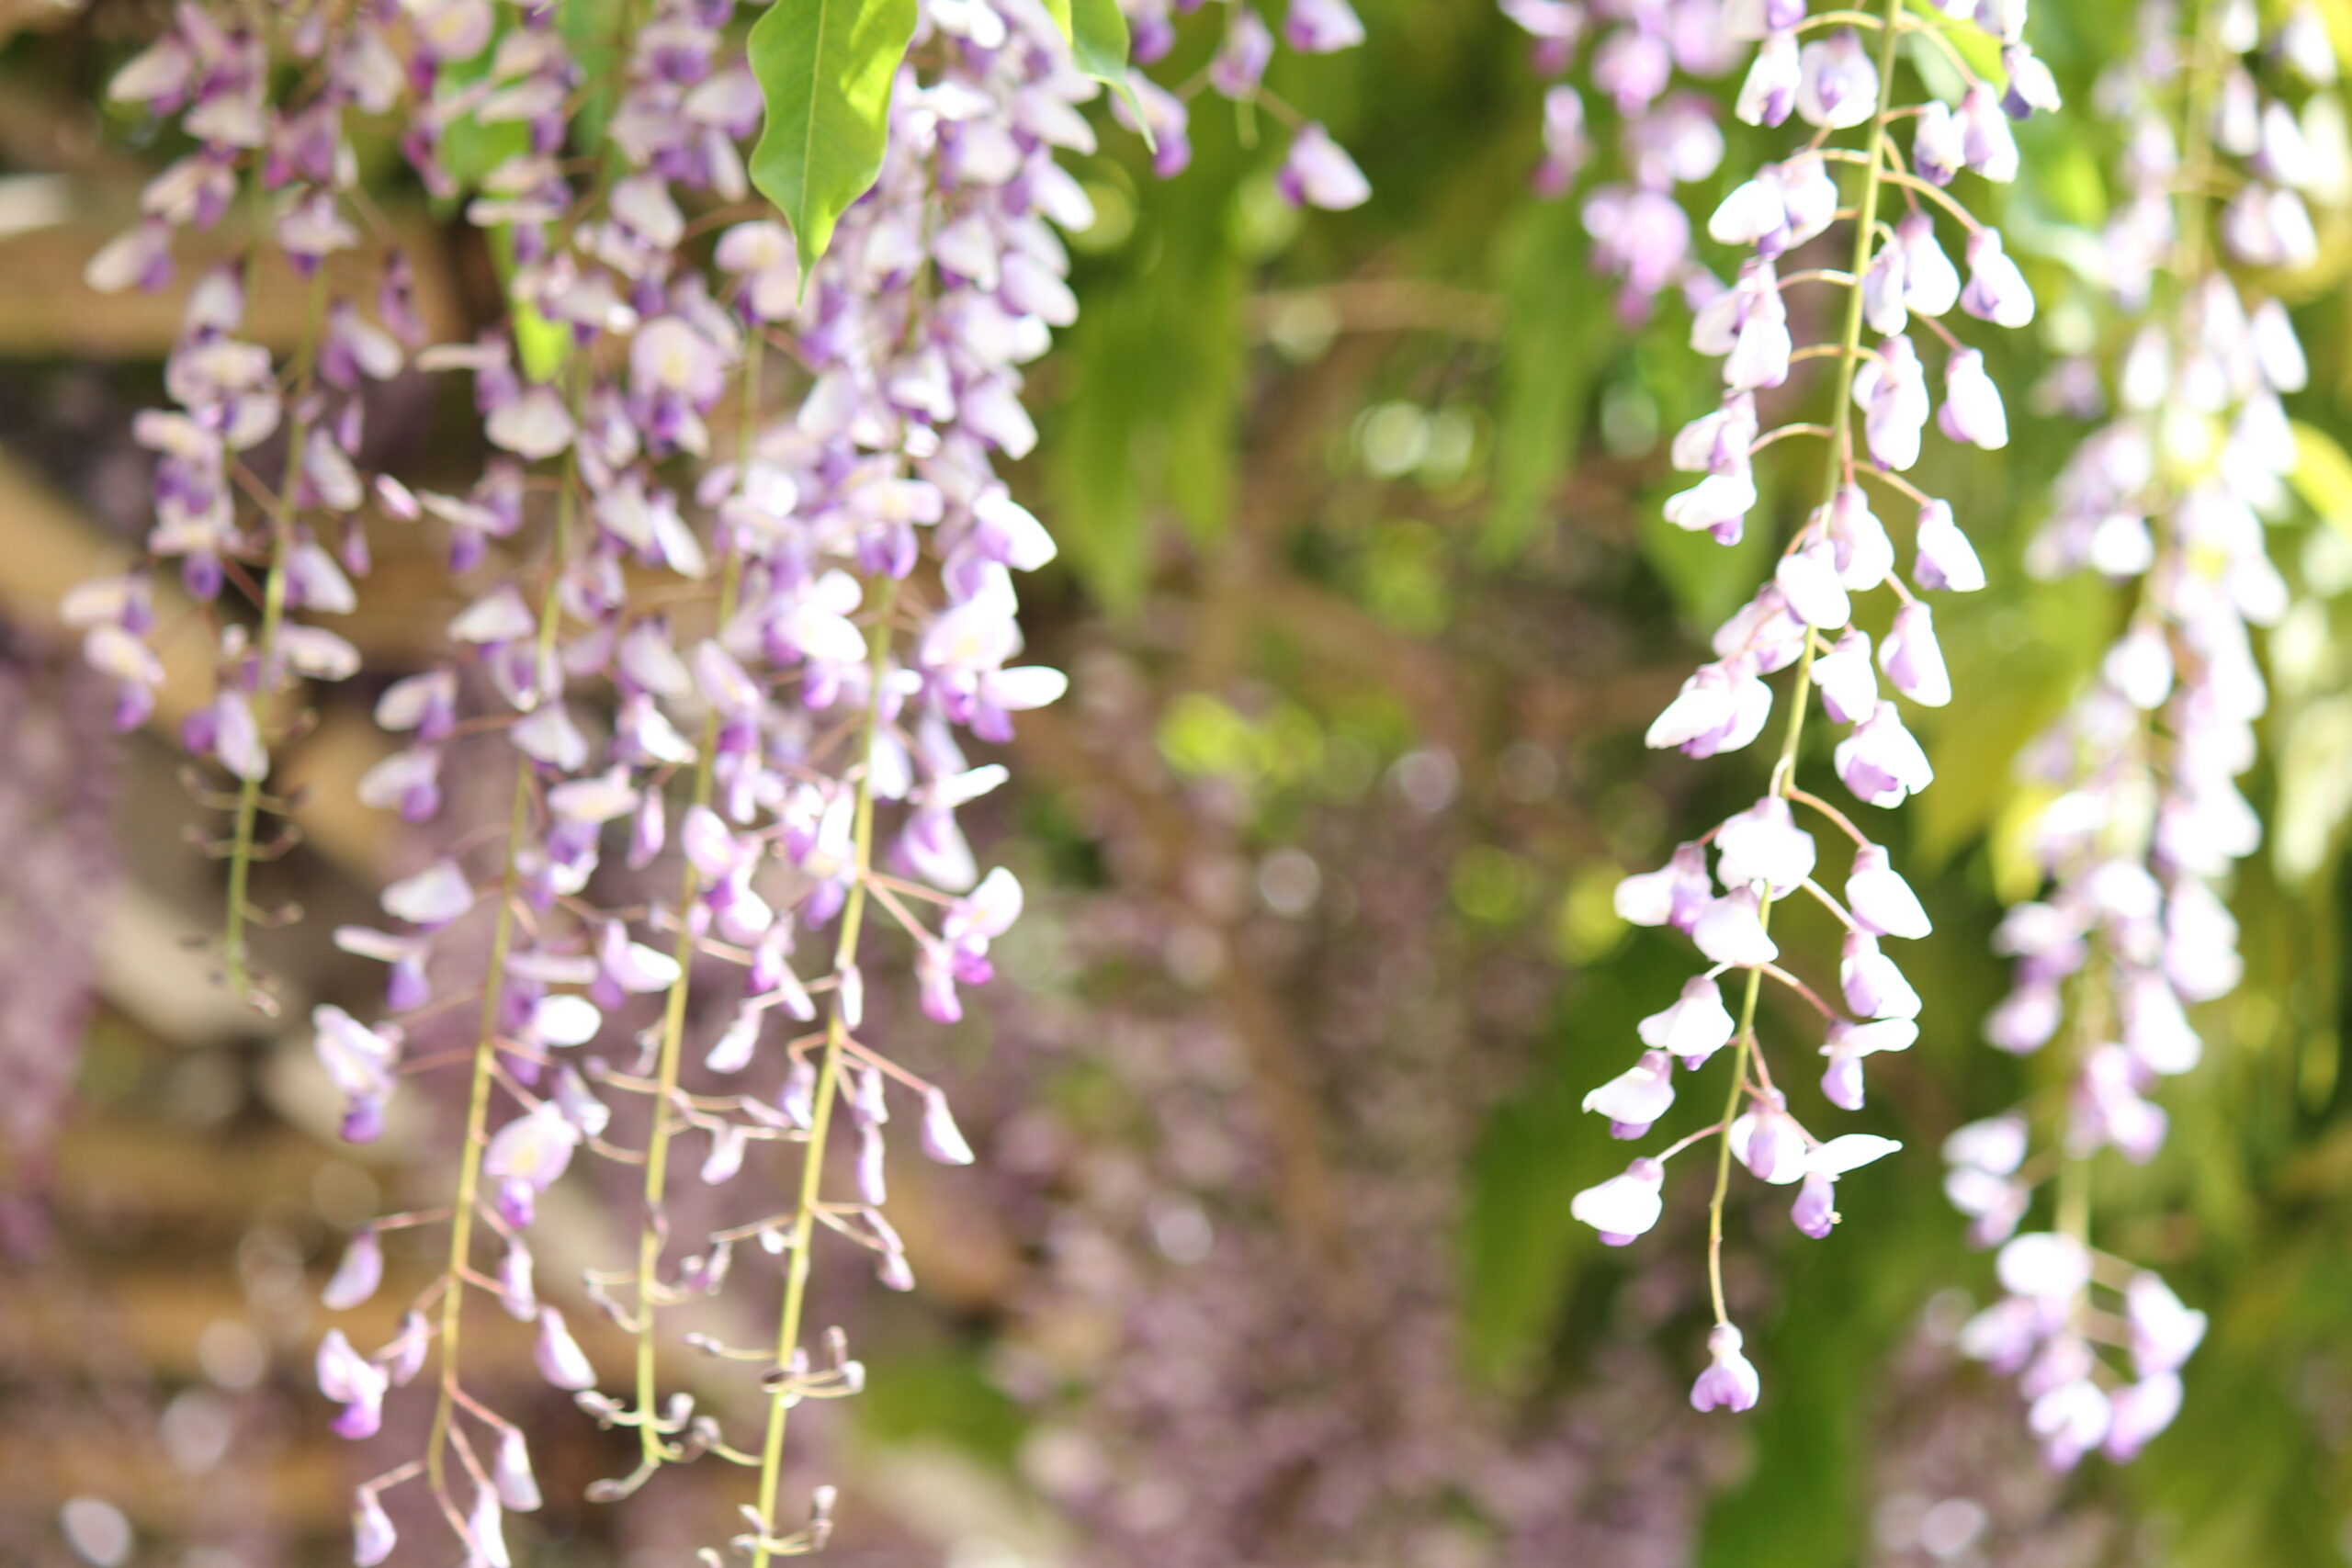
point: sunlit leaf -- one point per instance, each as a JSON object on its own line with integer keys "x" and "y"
{"x": 825, "y": 70}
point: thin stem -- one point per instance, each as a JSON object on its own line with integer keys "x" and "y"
{"x": 264, "y": 654}
{"x": 653, "y": 1229}
{"x": 486, "y": 1055}
{"x": 829, "y": 1072}
{"x": 1840, "y": 461}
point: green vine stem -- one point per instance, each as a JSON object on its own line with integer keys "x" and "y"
{"x": 651, "y": 1232}
{"x": 235, "y": 953}
{"x": 812, "y": 1165}
{"x": 1839, "y": 463}
{"x": 485, "y": 1052}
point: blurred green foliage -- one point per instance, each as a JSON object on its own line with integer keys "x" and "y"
{"x": 1200, "y": 335}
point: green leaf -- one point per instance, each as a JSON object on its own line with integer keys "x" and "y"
{"x": 1550, "y": 360}
{"x": 1059, "y": 11}
{"x": 542, "y": 345}
{"x": 1098, "y": 44}
{"x": 2322, "y": 476}
{"x": 1098, "y": 40}
{"x": 825, "y": 69}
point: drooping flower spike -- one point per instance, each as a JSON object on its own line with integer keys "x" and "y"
{"x": 1316, "y": 171}
{"x": 2169, "y": 500}
{"x": 797, "y": 767}
{"x": 1663, "y": 138}
{"x": 1836, "y": 73}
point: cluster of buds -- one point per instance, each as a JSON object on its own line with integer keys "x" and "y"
{"x": 2144, "y": 820}
{"x": 1666, "y": 138}
{"x": 1835, "y": 72}
{"x": 1316, "y": 171}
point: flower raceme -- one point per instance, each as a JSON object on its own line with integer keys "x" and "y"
{"x": 793, "y": 763}
{"x": 1836, "y": 73}
{"x": 2168, "y": 501}
{"x": 1664, "y": 138}
{"x": 1316, "y": 171}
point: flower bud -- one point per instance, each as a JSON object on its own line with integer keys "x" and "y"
{"x": 372, "y": 1537}
{"x": 1881, "y": 902}
{"x": 517, "y": 1488}
{"x": 1732, "y": 931}
{"x": 1973, "y": 412}
{"x": 1696, "y": 1027}
{"x": 1730, "y": 1382}
{"x": 356, "y": 1276}
{"x": 1996, "y": 292}
{"x": 1637, "y": 1097}
{"x": 1944, "y": 559}
{"x": 1624, "y": 1206}
{"x": 1848, "y": 687}
{"x": 1911, "y": 658}
{"x": 941, "y": 1139}
{"x": 560, "y": 1360}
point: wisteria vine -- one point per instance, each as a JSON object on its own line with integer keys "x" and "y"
{"x": 777, "y": 643}
{"x": 738, "y": 590}
{"x": 1837, "y": 71}
{"x": 853, "y": 593}
{"x": 2143, "y": 819}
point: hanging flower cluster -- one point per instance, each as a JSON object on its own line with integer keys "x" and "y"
{"x": 741, "y": 648}
{"x": 1316, "y": 171}
{"x": 211, "y": 78}
{"x": 1641, "y": 235}
{"x": 1835, "y": 71}
{"x": 2144, "y": 820}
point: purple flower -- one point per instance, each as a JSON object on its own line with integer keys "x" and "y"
{"x": 1730, "y": 1382}
{"x": 1837, "y": 83}
{"x": 1973, "y": 410}
{"x": 372, "y": 1537}
{"x": 1624, "y": 1206}
{"x": 1695, "y": 1027}
{"x": 1770, "y": 90}
{"x": 517, "y": 1488}
{"x": 353, "y": 1382}
{"x": 1945, "y": 559}
{"x": 1763, "y": 845}
{"x": 356, "y": 1276}
{"x": 1241, "y": 57}
{"x": 1674, "y": 894}
{"x": 1930, "y": 283}
{"x": 1911, "y": 658}
{"x": 1637, "y": 1097}
{"x": 1731, "y": 930}
{"x": 1881, "y": 902}
{"x": 1872, "y": 984}
{"x": 1939, "y": 143}
{"x": 1997, "y": 290}
{"x": 1893, "y": 391}
{"x": 941, "y": 1139}
{"x": 1321, "y": 27}
{"x": 1881, "y": 762}
{"x": 1319, "y": 172}
{"x": 558, "y": 1355}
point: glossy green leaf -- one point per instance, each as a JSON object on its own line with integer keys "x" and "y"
{"x": 1098, "y": 39}
{"x": 1098, "y": 45}
{"x": 825, "y": 70}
